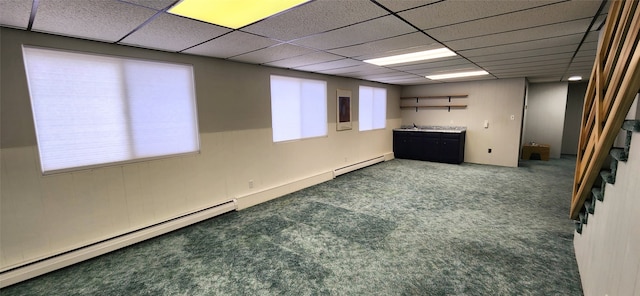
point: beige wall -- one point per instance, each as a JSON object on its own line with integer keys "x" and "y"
{"x": 546, "y": 106}
{"x": 45, "y": 215}
{"x": 492, "y": 100}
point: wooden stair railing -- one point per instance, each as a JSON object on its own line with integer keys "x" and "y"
{"x": 614, "y": 83}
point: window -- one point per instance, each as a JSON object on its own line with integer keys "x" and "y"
{"x": 373, "y": 108}
{"x": 92, "y": 109}
{"x": 298, "y": 108}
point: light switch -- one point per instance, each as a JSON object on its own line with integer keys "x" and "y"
{"x": 486, "y": 124}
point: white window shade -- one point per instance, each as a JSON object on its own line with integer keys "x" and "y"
{"x": 372, "y": 108}
{"x": 298, "y": 108}
{"x": 91, "y": 110}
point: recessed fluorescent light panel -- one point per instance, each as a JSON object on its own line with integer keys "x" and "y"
{"x": 412, "y": 57}
{"x": 457, "y": 75}
{"x": 575, "y": 78}
{"x": 232, "y": 14}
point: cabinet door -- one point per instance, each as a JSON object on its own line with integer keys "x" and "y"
{"x": 401, "y": 144}
{"x": 450, "y": 150}
{"x": 429, "y": 149}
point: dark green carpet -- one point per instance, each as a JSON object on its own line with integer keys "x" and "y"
{"x": 398, "y": 228}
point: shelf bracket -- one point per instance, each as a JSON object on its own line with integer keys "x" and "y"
{"x": 449, "y": 108}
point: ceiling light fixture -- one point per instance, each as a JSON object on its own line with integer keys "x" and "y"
{"x": 575, "y": 78}
{"x": 412, "y": 57}
{"x": 232, "y": 13}
{"x": 457, "y": 75}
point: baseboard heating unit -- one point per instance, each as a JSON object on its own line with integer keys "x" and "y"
{"x": 29, "y": 270}
{"x": 358, "y": 165}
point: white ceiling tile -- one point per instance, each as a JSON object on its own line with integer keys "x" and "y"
{"x": 584, "y": 59}
{"x": 388, "y": 46}
{"x": 400, "y": 80}
{"x": 533, "y": 66}
{"x": 542, "y": 32}
{"x": 582, "y": 64}
{"x": 453, "y": 12}
{"x": 569, "y": 40}
{"x": 182, "y": 32}
{"x": 154, "y": 4}
{"x": 232, "y": 44}
{"x": 592, "y": 36}
{"x": 365, "y": 70}
{"x": 315, "y": 17}
{"x": 540, "y": 79}
{"x": 384, "y": 76}
{"x": 304, "y": 60}
{"x": 545, "y": 15}
{"x": 330, "y": 65}
{"x": 420, "y": 67}
{"x": 586, "y": 53}
{"x": 525, "y": 54}
{"x": 271, "y": 54}
{"x": 526, "y": 59}
{"x": 531, "y": 72}
{"x": 446, "y": 70}
{"x": 395, "y": 5}
{"x": 413, "y": 81}
{"x": 377, "y": 29}
{"x": 589, "y": 46}
{"x": 473, "y": 78}
{"x": 15, "y": 13}
{"x": 90, "y": 19}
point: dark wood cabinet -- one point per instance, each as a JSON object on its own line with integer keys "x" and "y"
{"x": 429, "y": 146}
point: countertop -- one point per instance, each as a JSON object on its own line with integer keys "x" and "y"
{"x": 432, "y": 129}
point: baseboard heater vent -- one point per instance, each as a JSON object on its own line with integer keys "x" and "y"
{"x": 356, "y": 166}
{"x": 30, "y": 270}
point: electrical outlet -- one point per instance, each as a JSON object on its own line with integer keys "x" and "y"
{"x": 250, "y": 183}
{"x": 489, "y": 151}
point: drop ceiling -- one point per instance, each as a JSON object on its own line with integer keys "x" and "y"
{"x": 543, "y": 41}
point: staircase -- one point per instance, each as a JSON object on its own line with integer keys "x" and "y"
{"x": 607, "y": 239}
{"x": 613, "y": 85}
{"x": 607, "y": 175}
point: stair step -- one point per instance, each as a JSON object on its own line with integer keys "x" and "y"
{"x": 631, "y": 125}
{"x": 597, "y": 193}
{"x": 608, "y": 177}
{"x": 627, "y": 141}
{"x": 584, "y": 216}
{"x": 590, "y": 205}
{"x": 578, "y": 226}
{"x": 618, "y": 154}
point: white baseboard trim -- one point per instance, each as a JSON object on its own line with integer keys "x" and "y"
{"x": 264, "y": 195}
{"x": 358, "y": 165}
{"x": 389, "y": 156}
{"x": 31, "y": 270}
